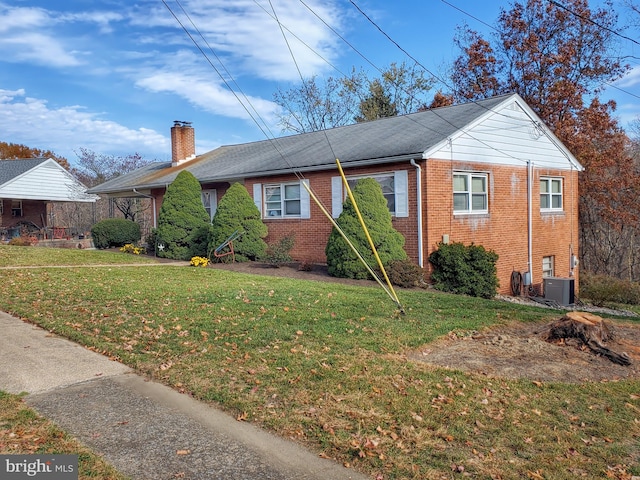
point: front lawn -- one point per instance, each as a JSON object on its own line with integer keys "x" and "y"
{"x": 324, "y": 364}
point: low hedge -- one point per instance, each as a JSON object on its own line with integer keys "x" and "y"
{"x": 115, "y": 232}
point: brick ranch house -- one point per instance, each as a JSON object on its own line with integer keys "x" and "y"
{"x": 487, "y": 172}
{"x": 27, "y": 187}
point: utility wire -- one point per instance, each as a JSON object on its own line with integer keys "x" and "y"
{"x": 390, "y": 291}
{"x": 224, "y": 80}
{"x": 557, "y": 4}
{"x": 586, "y": 19}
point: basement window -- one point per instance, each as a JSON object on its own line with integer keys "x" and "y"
{"x": 547, "y": 266}
{"x": 550, "y": 194}
{"x": 470, "y": 193}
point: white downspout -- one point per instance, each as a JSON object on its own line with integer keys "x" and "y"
{"x": 419, "y": 210}
{"x": 153, "y": 203}
{"x": 530, "y": 219}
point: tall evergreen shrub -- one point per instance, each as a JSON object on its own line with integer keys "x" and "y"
{"x": 183, "y": 220}
{"x": 237, "y": 212}
{"x": 341, "y": 260}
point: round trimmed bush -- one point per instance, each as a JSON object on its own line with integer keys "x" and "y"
{"x": 115, "y": 232}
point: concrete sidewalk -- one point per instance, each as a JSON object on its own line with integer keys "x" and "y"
{"x": 144, "y": 429}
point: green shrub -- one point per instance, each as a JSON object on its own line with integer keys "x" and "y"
{"x": 277, "y": 253}
{"x": 601, "y": 290}
{"x": 404, "y": 273}
{"x": 23, "y": 241}
{"x": 151, "y": 240}
{"x": 182, "y": 219}
{"x": 236, "y": 212}
{"x": 341, "y": 260}
{"x": 469, "y": 270}
{"x": 115, "y": 232}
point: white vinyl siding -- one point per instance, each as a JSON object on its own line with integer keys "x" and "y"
{"x": 470, "y": 192}
{"x": 507, "y": 135}
{"x": 550, "y": 194}
{"x": 46, "y": 181}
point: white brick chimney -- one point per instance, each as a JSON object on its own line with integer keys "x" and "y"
{"x": 183, "y": 143}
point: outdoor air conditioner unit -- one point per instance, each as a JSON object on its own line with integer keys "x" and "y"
{"x": 560, "y": 290}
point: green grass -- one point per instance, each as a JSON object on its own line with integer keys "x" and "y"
{"x": 324, "y": 364}
{"x": 23, "y": 431}
{"x": 14, "y": 256}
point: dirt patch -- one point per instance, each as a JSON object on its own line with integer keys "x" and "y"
{"x": 518, "y": 351}
{"x": 513, "y": 351}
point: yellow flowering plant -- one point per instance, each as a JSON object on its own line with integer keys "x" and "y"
{"x": 131, "y": 248}
{"x": 199, "y": 261}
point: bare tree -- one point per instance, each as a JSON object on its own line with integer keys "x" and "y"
{"x": 316, "y": 106}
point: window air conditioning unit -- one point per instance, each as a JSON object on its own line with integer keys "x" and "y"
{"x": 559, "y": 290}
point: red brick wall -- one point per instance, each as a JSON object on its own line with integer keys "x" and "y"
{"x": 504, "y": 229}
{"x": 183, "y": 143}
{"x": 311, "y": 234}
{"x": 32, "y": 211}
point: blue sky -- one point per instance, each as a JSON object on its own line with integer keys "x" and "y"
{"x": 113, "y": 75}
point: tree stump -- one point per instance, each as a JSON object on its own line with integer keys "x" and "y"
{"x": 591, "y": 330}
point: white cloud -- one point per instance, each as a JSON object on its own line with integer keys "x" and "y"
{"x": 255, "y": 42}
{"x": 630, "y": 80}
{"x": 23, "y": 38}
{"x": 31, "y": 122}
{"x": 183, "y": 74}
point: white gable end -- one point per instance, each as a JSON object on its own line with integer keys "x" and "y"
{"x": 510, "y": 135}
{"x": 47, "y": 181}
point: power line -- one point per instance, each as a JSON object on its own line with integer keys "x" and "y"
{"x": 469, "y": 15}
{"x": 586, "y": 19}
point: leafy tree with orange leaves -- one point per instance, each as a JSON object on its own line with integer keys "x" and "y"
{"x": 558, "y": 57}
{"x": 14, "y": 151}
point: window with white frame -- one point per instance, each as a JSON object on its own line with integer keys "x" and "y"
{"x": 547, "y": 266}
{"x": 210, "y": 202}
{"x": 550, "y": 193}
{"x": 394, "y": 188}
{"x": 16, "y": 208}
{"x": 282, "y": 200}
{"x": 470, "y": 192}
{"x": 386, "y": 182}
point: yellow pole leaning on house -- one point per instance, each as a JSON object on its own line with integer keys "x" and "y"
{"x": 352, "y": 246}
{"x": 366, "y": 232}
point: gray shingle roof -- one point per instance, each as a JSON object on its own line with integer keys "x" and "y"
{"x": 380, "y": 141}
{"x": 10, "y": 169}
